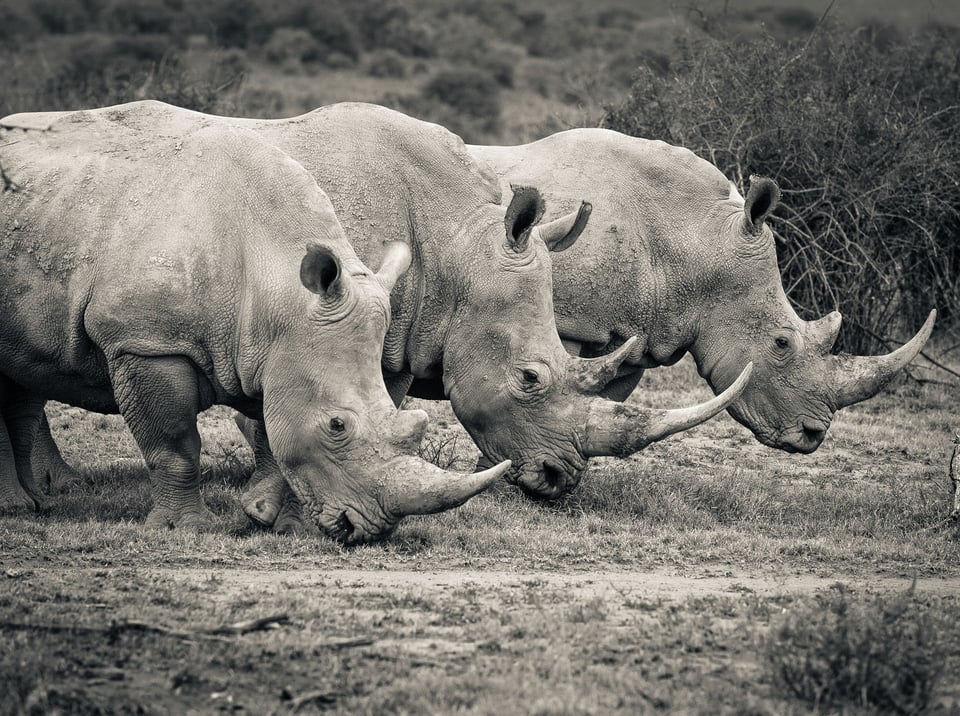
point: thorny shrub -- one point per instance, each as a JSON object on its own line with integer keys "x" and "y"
{"x": 862, "y": 133}
{"x": 881, "y": 653}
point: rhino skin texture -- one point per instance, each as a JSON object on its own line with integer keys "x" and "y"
{"x": 472, "y": 320}
{"x": 152, "y": 265}
{"x": 675, "y": 255}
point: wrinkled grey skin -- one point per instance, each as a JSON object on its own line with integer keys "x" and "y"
{"x": 674, "y": 255}
{"x": 154, "y": 268}
{"x": 473, "y": 319}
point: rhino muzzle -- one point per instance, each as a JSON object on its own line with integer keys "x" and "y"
{"x": 407, "y": 486}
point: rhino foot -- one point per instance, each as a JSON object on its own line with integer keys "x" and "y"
{"x": 18, "y": 501}
{"x": 197, "y": 518}
{"x": 263, "y": 496}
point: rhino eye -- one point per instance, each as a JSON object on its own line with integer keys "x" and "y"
{"x": 531, "y": 377}
{"x": 337, "y": 425}
{"x": 782, "y": 343}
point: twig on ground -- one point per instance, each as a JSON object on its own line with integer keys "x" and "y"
{"x": 246, "y": 627}
{"x": 216, "y": 633}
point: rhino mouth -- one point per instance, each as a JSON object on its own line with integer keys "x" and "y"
{"x": 804, "y": 439}
{"x": 549, "y": 480}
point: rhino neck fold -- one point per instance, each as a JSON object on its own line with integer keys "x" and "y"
{"x": 424, "y": 308}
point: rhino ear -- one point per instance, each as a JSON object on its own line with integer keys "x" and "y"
{"x": 320, "y": 271}
{"x": 761, "y": 200}
{"x": 524, "y": 212}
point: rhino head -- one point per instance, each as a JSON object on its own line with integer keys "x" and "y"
{"x": 338, "y": 439}
{"x": 511, "y": 383}
{"x": 797, "y": 383}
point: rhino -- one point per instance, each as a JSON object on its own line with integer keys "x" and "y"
{"x": 675, "y": 255}
{"x": 473, "y": 319}
{"x": 155, "y": 267}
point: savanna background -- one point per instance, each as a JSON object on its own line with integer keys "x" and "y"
{"x": 708, "y": 574}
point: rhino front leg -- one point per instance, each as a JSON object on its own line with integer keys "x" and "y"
{"x": 48, "y": 466}
{"x": 263, "y": 496}
{"x": 620, "y": 388}
{"x": 159, "y": 399}
{"x": 267, "y": 499}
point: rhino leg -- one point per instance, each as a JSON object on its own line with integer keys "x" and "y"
{"x": 289, "y": 519}
{"x": 267, "y": 499}
{"x": 620, "y": 388}
{"x": 398, "y": 385}
{"x": 48, "y": 466}
{"x": 15, "y": 427}
{"x": 263, "y": 496}
{"x": 159, "y": 399}
{"x": 13, "y": 497}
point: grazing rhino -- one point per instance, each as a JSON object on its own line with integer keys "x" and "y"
{"x": 675, "y": 255}
{"x": 154, "y": 267}
{"x": 473, "y": 319}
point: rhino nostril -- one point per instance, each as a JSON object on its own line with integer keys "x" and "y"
{"x": 553, "y": 474}
{"x": 344, "y": 527}
{"x": 814, "y": 432}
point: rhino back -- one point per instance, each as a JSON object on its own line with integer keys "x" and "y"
{"x": 388, "y": 175}
{"x": 137, "y": 231}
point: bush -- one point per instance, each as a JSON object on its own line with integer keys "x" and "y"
{"x": 877, "y": 653}
{"x": 468, "y": 91}
{"x": 93, "y": 70}
{"x": 17, "y": 23}
{"x": 387, "y": 63}
{"x": 390, "y": 26}
{"x": 141, "y": 16}
{"x": 229, "y": 23}
{"x": 865, "y": 143}
{"x": 288, "y": 45}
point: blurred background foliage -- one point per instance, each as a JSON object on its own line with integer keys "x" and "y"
{"x": 855, "y": 117}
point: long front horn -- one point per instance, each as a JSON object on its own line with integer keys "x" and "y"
{"x": 419, "y": 488}
{"x": 591, "y": 375}
{"x": 857, "y": 378}
{"x": 561, "y": 233}
{"x": 619, "y": 430}
{"x": 396, "y": 260}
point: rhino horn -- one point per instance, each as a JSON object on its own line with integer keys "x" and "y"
{"x": 619, "y": 430}
{"x": 396, "y": 260}
{"x": 426, "y": 489}
{"x": 823, "y": 333}
{"x": 591, "y": 375}
{"x": 857, "y": 378}
{"x": 561, "y": 233}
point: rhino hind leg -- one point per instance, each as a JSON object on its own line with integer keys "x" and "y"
{"x": 48, "y": 466}
{"x": 159, "y": 400}
{"x": 21, "y": 413}
{"x": 13, "y": 497}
